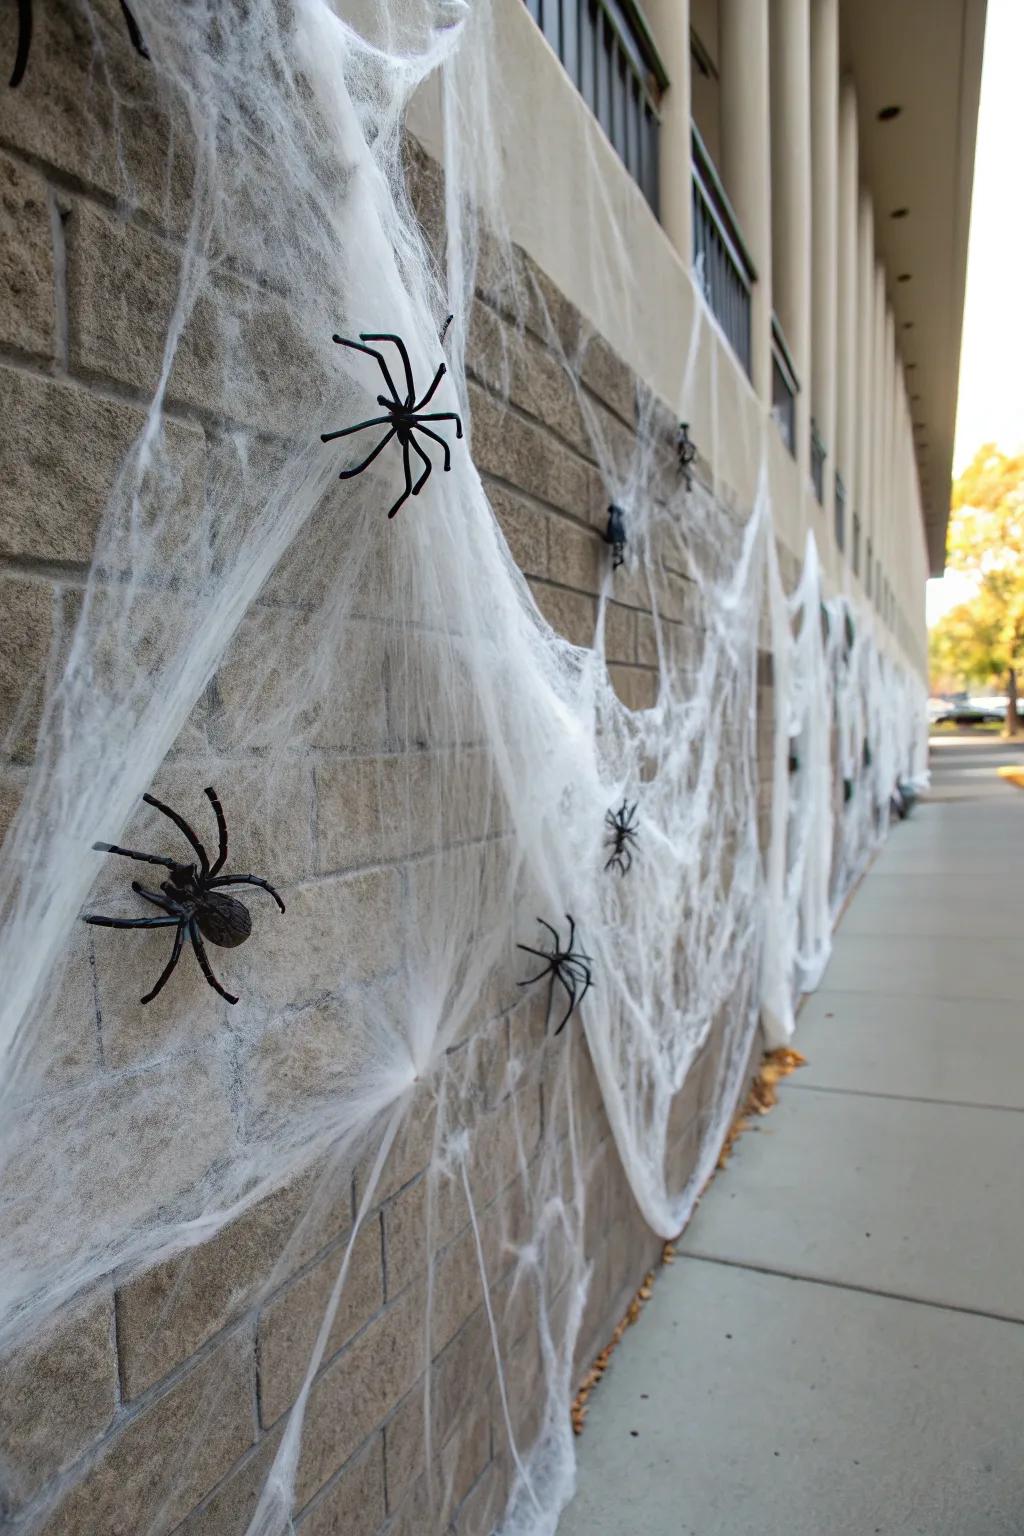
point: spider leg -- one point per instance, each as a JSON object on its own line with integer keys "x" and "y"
{"x": 222, "y": 829}
{"x": 552, "y": 932}
{"x": 438, "y": 439}
{"x": 128, "y": 922}
{"x": 136, "y": 39}
{"x": 531, "y": 979}
{"x": 246, "y": 880}
{"x": 357, "y": 346}
{"x": 204, "y": 964}
{"x": 179, "y": 939}
{"x": 572, "y": 933}
{"x": 570, "y": 992}
{"x": 183, "y": 826}
{"x": 551, "y": 996}
{"x": 408, "y": 479}
{"x": 374, "y": 421}
{"x": 421, "y": 482}
{"x": 158, "y": 900}
{"x": 541, "y": 954}
{"x": 444, "y": 416}
{"x": 400, "y": 344}
{"x": 132, "y": 853}
{"x": 346, "y": 474}
{"x": 438, "y": 376}
{"x": 24, "y": 41}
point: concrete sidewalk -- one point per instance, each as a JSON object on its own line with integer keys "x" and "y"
{"x": 839, "y": 1351}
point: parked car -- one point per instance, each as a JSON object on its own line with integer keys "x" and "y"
{"x": 967, "y": 709}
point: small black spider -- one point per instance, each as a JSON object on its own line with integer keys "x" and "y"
{"x": 406, "y": 416}
{"x": 615, "y": 534}
{"x": 849, "y": 630}
{"x": 190, "y": 899}
{"x": 623, "y": 831}
{"x": 687, "y": 452}
{"x": 566, "y": 966}
{"x": 25, "y": 38}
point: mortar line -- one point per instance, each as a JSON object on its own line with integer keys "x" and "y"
{"x": 852, "y": 1285}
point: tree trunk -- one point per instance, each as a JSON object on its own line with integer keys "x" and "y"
{"x": 1012, "y": 727}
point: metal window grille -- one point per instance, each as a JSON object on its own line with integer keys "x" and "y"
{"x": 609, "y": 54}
{"x": 785, "y": 387}
{"x": 721, "y": 263}
{"x": 817, "y": 463}
{"x": 840, "y": 512}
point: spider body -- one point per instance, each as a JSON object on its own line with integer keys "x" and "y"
{"x": 568, "y": 966}
{"x": 191, "y": 898}
{"x": 25, "y": 38}
{"x": 221, "y": 919}
{"x": 623, "y": 829}
{"x": 404, "y": 415}
{"x": 615, "y": 535}
{"x": 687, "y": 452}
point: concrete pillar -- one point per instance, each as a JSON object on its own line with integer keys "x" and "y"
{"x": 746, "y": 160}
{"x": 791, "y": 198}
{"x": 670, "y": 24}
{"x": 845, "y": 458}
{"x": 877, "y": 416}
{"x": 892, "y": 513}
{"x": 825, "y": 231}
{"x": 865, "y": 356}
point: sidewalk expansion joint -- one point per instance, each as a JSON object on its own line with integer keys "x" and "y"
{"x": 849, "y": 1285}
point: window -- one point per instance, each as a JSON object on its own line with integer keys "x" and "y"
{"x": 817, "y": 463}
{"x": 609, "y": 54}
{"x": 722, "y": 268}
{"x": 840, "y": 512}
{"x": 784, "y": 387}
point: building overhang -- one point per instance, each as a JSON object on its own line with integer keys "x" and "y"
{"x": 924, "y": 57}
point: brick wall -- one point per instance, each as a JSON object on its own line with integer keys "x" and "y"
{"x": 156, "y": 1402}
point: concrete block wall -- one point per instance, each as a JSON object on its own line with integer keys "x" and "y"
{"x": 156, "y": 1401}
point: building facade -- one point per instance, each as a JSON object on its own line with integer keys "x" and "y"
{"x": 338, "y": 1254}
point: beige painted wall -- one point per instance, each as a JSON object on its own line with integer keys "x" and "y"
{"x": 570, "y": 203}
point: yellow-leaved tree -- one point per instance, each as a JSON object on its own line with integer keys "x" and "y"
{"x": 982, "y": 640}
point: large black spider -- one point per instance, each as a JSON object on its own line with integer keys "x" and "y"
{"x": 623, "y": 831}
{"x": 191, "y": 899}
{"x": 406, "y": 416}
{"x": 566, "y": 966}
{"x": 25, "y": 38}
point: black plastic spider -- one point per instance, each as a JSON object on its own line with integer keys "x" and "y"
{"x": 615, "y": 535}
{"x": 623, "y": 831}
{"x": 687, "y": 452}
{"x": 25, "y": 38}
{"x": 566, "y": 966}
{"x": 191, "y": 900}
{"x": 405, "y": 416}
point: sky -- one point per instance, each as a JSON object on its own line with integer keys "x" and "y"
{"x": 991, "y": 400}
